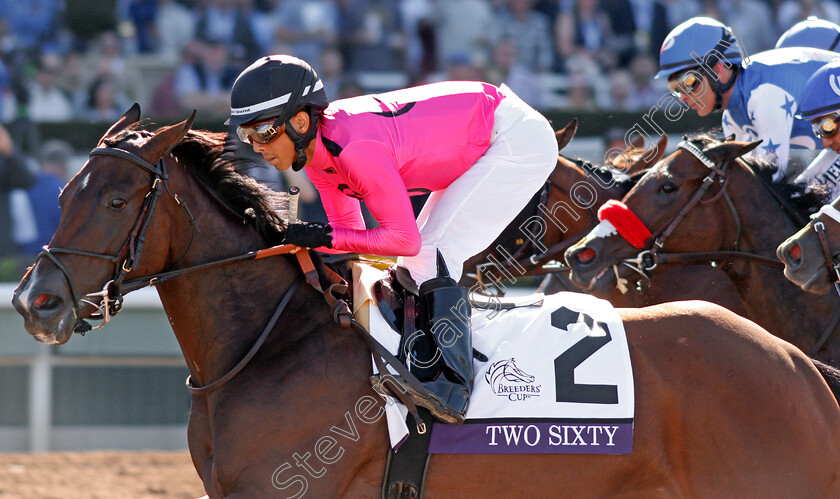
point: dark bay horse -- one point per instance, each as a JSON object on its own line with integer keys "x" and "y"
{"x": 722, "y": 407}
{"x": 738, "y": 222}
{"x": 810, "y": 256}
{"x": 568, "y": 211}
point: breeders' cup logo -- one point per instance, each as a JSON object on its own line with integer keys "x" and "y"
{"x": 832, "y": 81}
{"x": 507, "y": 380}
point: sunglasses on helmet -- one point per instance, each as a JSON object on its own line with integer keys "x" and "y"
{"x": 825, "y": 126}
{"x": 261, "y": 134}
{"x": 685, "y": 84}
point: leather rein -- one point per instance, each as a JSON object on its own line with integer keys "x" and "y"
{"x": 111, "y": 295}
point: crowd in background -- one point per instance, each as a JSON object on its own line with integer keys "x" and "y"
{"x": 71, "y": 60}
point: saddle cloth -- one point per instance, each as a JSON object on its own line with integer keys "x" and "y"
{"x": 558, "y": 377}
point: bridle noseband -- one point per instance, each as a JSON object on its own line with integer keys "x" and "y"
{"x": 831, "y": 264}
{"x": 128, "y": 256}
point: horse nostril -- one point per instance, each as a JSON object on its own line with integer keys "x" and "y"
{"x": 585, "y": 255}
{"x": 795, "y": 253}
{"x": 46, "y": 302}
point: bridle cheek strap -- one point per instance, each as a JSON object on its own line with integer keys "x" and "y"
{"x": 628, "y": 225}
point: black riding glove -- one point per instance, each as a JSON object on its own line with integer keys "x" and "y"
{"x": 309, "y": 235}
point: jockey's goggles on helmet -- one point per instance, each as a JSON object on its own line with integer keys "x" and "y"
{"x": 261, "y": 134}
{"x": 685, "y": 84}
{"x": 825, "y": 126}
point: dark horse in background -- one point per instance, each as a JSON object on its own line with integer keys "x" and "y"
{"x": 569, "y": 211}
{"x": 737, "y": 222}
{"x": 811, "y": 255}
{"x": 722, "y": 406}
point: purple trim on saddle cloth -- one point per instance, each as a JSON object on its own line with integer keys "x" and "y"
{"x": 562, "y": 436}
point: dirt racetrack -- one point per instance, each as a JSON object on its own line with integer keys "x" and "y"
{"x": 99, "y": 475}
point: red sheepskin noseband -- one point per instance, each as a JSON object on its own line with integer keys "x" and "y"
{"x": 625, "y": 222}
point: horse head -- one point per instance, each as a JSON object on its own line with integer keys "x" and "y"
{"x": 658, "y": 199}
{"x": 810, "y": 256}
{"x": 107, "y": 221}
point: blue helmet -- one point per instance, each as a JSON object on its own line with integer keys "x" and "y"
{"x": 698, "y": 41}
{"x": 821, "y": 94}
{"x": 812, "y": 32}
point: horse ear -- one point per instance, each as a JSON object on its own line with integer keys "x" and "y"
{"x": 731, "y": 150}
{"x": 649, "y": 157}
{"x": 130, "y": 117}
{"x": 565, "y": 135}
{"x": 166, "y": 139}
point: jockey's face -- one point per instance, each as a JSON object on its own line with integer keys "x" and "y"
{"x": 280, "y": 151}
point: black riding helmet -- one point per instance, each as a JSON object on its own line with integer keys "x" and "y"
{"x": 279, "y": 86}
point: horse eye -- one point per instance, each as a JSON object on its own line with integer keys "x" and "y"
{"x": 667, "y": 188}
{"x": 117, "y": 204}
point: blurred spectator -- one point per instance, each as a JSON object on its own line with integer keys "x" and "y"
{"x": 13, "y": 175}
{"x": 581, "y": 30}
{"x": 751, "y": 21}
{"x": 462, "y": 26}
{"x": 29, "y": 22}
{"x": 679, "y": 10}
{"x": 174, "y": 27}
{"x": 104, "y": 101}
{"x": 331, "y": 70}
{"x": 621, "y": 42}
{"x": 229, "y": 22}
{"x": 349, "y": 88}
{"x": 650, "y": 23}
{"x": 505, "y": 68}
{"x": 46, "y": 101}
{"x": 791, "y": 12}
{"x": 371, "y": 35}
{"x": 204, "y": 84}
{"x": 644, "y": 94}
{"x": 419, "y": 29}
{"x": 460, "y": 68}
{"x": 529, "y": 31}
{"x": 142, "y": 15}
{"x": 580, "y": 94}
{"x": 621, "y": 92}
{"x": 306, "y": 27}
{"x": 43, "y": 195}
{"x": 105, "y": 57}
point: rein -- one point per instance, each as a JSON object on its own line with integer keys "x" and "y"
{"x": 128, "y": 256}
{"x": 649, "y": 259}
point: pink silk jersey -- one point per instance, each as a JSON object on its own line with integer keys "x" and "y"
{"x": 386, "y": 147}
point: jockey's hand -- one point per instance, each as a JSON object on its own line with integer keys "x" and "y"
{"x": 309, "y": 235}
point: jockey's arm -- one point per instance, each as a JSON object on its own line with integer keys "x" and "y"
{"x": 373, "y": 175}
{"x": 772, "y": 109}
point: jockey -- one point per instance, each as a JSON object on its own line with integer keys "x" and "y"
{"x": 708, "y": 70}
{"x": 812, "y": 32}
{"x": 480, "y": 150}
{"x": 820, "y": 104}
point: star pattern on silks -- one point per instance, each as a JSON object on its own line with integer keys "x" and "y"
{"x": 726, "y": 119}
{"x": 788, "y": 106}
{"x": 770, "y": 146}
{"x": 752, "y": 116}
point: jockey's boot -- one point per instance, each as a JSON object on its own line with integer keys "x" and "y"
{"x": 444, "y": 314}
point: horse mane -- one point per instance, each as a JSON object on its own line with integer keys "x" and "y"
{"x": 608, "y": 175}
{"x": 803, "y": 199}
{"x": 211, "y": 158}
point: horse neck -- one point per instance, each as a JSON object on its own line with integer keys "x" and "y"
{"x": 770, "y": 299}
{"x": 218, "y": 314}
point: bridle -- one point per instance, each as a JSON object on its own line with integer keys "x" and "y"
{"x": 332, "y": 287}
{"x": 653, "y": 256}
{"x": 128, "y": 256}
{"x": 831, "y": 263}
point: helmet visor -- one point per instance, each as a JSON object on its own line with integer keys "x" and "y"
{"x": 825, "y": 126}
{"x": 260, "y": 134}
{"x": 686, "y": 83}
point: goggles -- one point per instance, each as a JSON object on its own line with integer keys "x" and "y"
{"x": 685, "y": 84}
{"x": 826, "y": 126}
{"x": 261, "y": 134}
